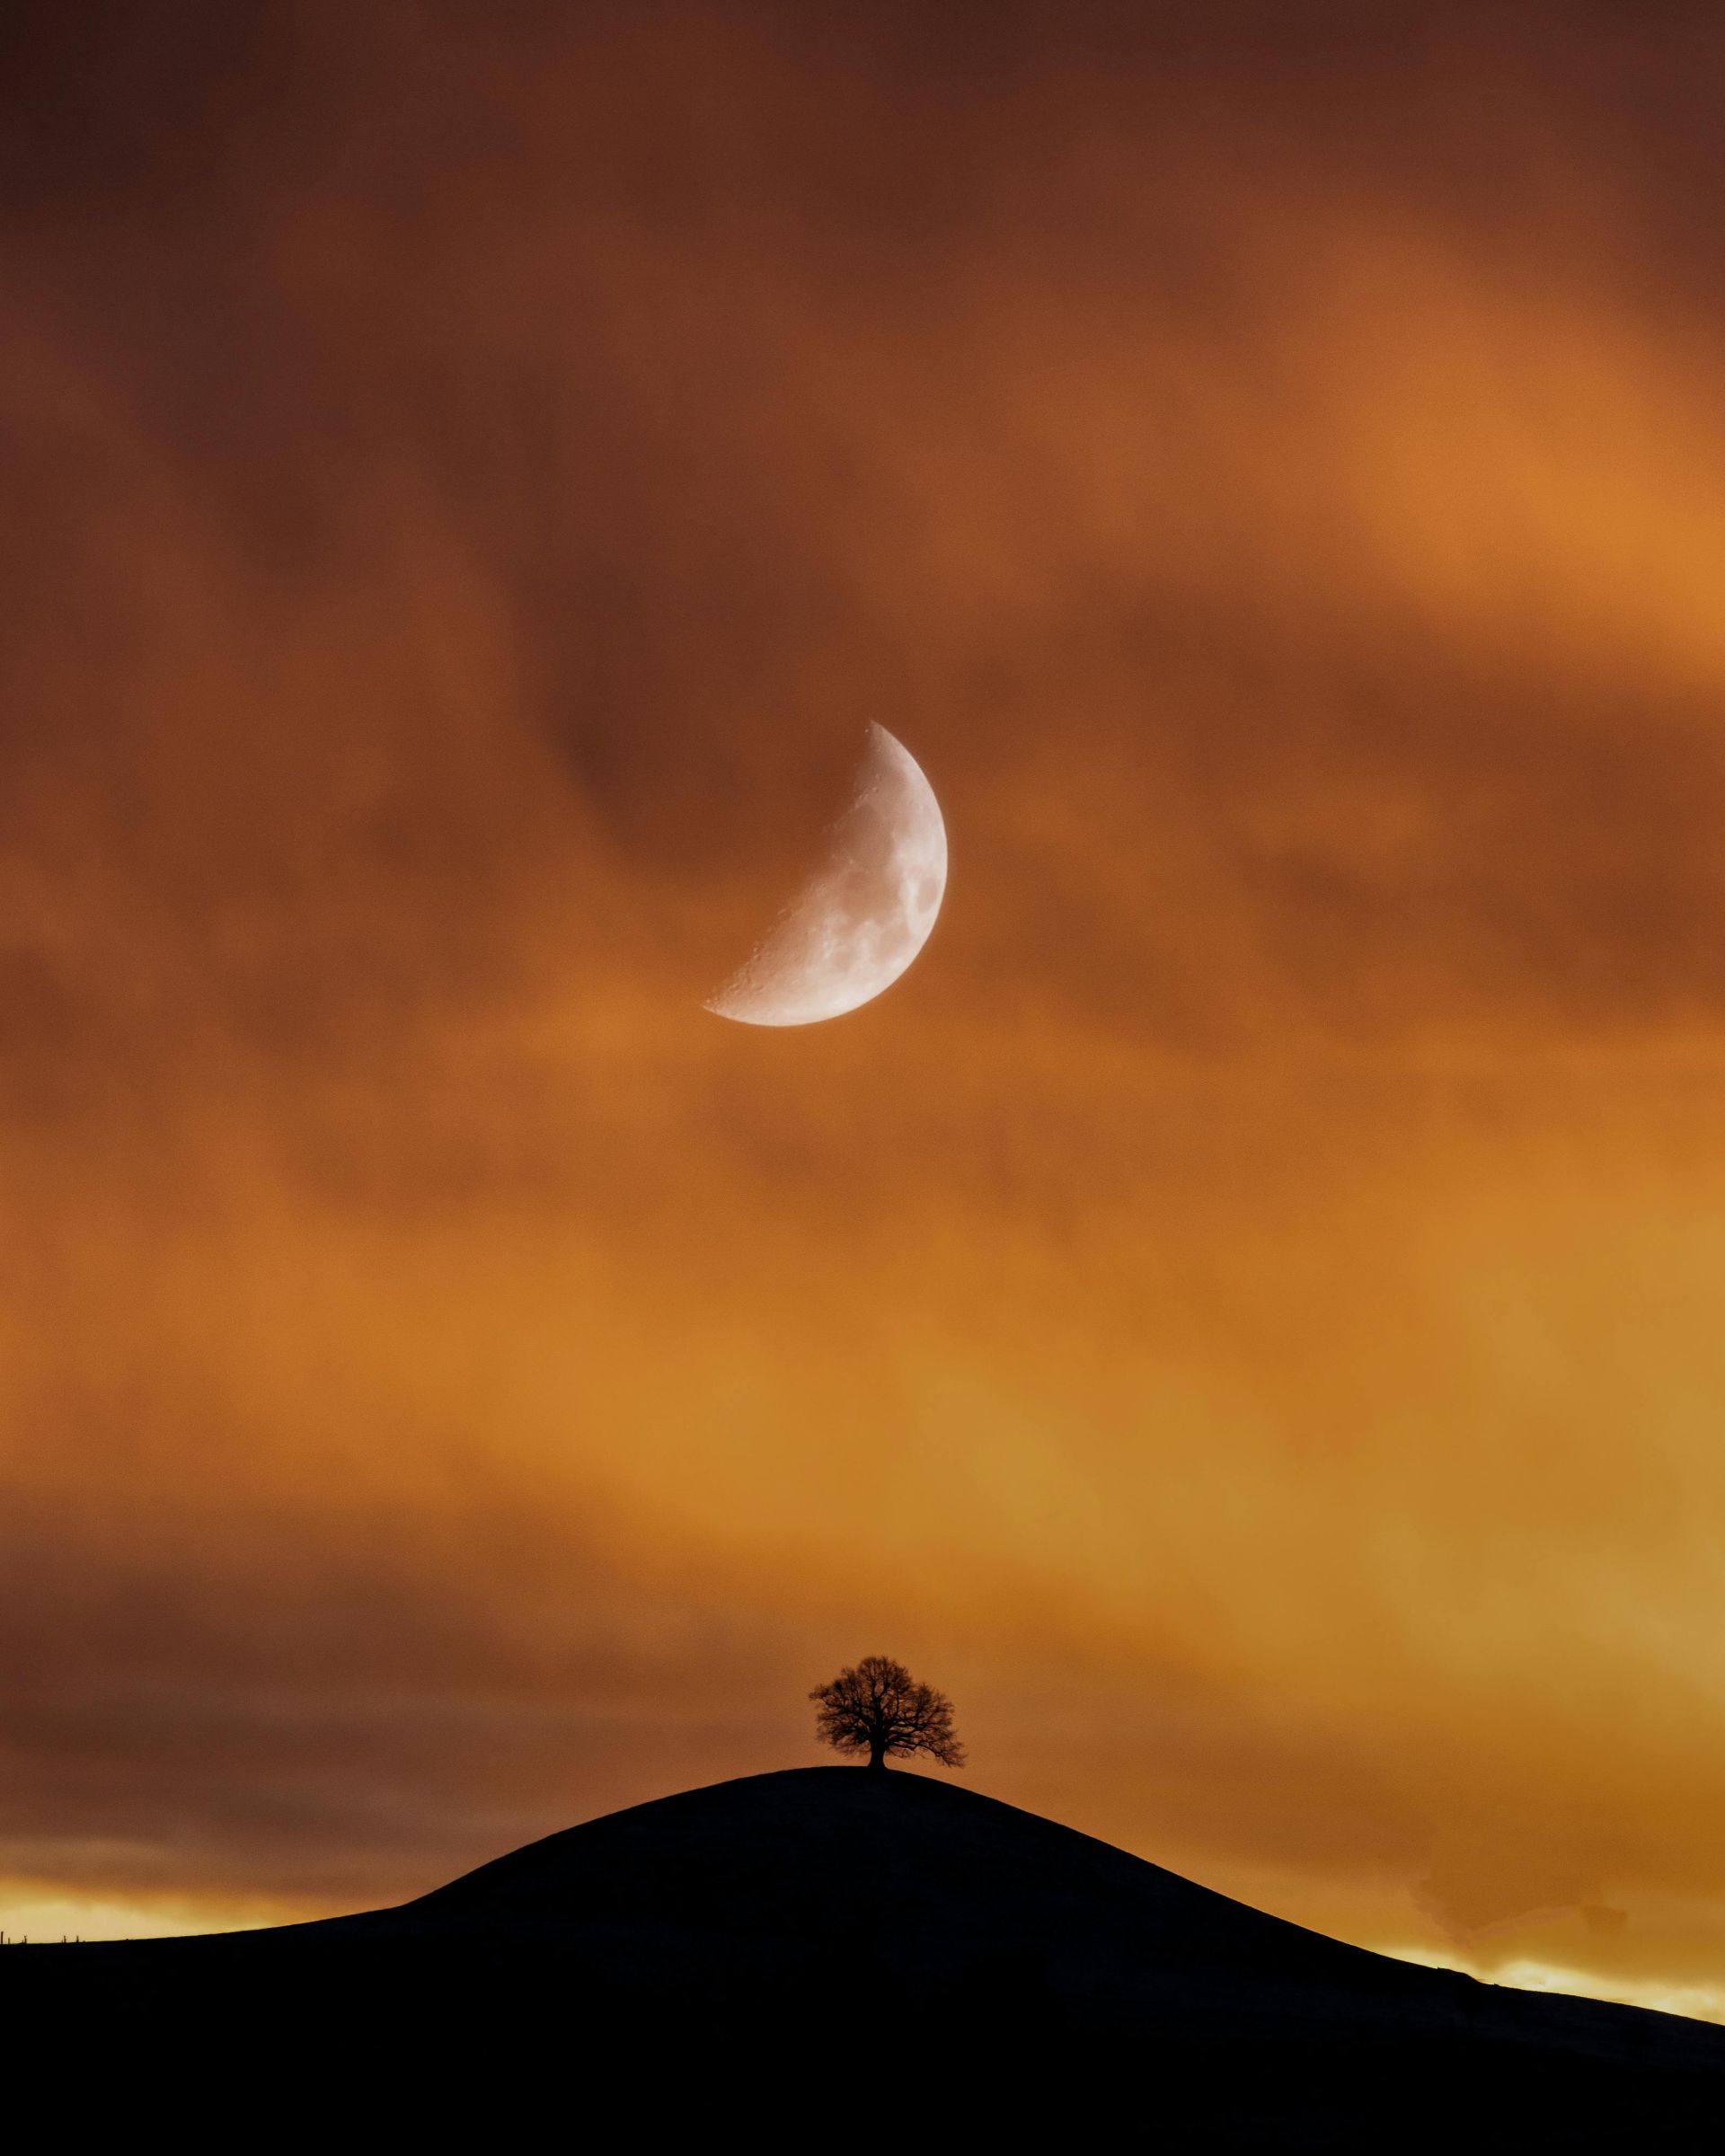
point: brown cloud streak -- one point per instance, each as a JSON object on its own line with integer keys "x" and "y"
{"x": 1242, "y": 1311}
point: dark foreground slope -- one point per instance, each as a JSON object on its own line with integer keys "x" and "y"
{"x": 906, "y": 1926}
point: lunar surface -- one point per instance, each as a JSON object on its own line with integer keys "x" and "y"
{"x": 864, "y": 914}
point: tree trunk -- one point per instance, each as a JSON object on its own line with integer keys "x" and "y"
{"x": 877, "y": 1754}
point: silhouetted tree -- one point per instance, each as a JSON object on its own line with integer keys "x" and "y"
{"x": 877, "y": 1708}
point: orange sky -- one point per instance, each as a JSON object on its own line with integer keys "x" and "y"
{"x": 1242, "y": 1314}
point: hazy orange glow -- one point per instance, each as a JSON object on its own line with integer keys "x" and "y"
{"x": 1243, "y": 1315}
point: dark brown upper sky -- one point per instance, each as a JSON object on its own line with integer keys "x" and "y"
{"x": 1242, "y": 1312}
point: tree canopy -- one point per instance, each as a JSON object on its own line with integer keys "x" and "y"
{"x": 880, "y": 1708}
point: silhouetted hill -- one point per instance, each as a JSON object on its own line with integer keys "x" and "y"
{"x": 764, "y": 1921}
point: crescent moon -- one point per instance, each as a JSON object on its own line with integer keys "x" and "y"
{"x": 864, "y": 915}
